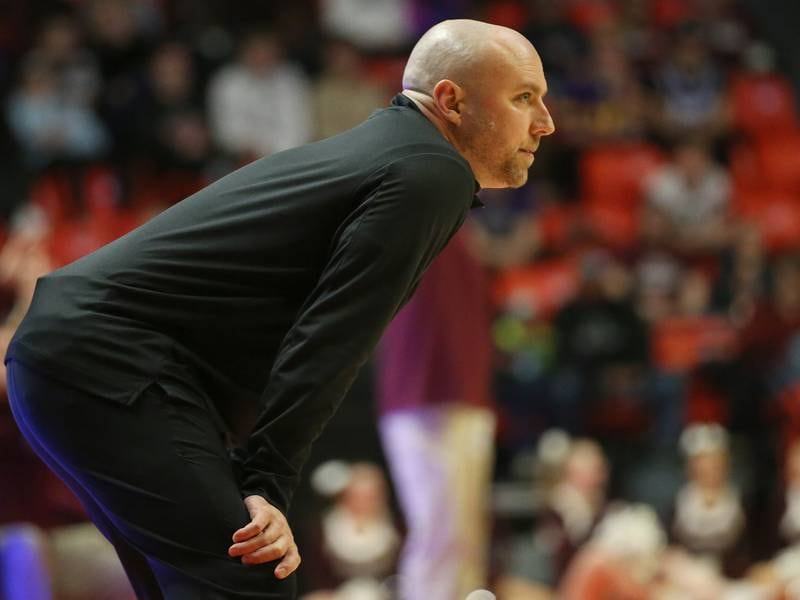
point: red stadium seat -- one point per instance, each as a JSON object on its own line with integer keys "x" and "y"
{"x": 541, "y": 288}
{"x": 615, "y": 226}
{"x": 679, "y": 344}
{"x": 763, "y": 105}
{"x": 615, "y": 174}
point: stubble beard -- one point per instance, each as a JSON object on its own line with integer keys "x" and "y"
{"x": 514, "y": 173}
{"x": 483, "y": 145}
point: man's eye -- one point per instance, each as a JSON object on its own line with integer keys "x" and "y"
{"x": 525, "y": 97}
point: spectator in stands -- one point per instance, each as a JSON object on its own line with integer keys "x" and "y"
{"x": 602, "y": 345}
{"x": 605, "y": 102}
{"x": 49, "y": 127}
{"x": 563, "y": 47}
{"x": 372, "y": 25}
{"x": 618, "y": 107}
{"x": 260, "y": 103}
{"x": 120, "y": 44}
{"x": 357, "y": 537}
{"x": 709, "y": 517}
{"x": 573, "y": 506}
{"x": 174, "y": 141}
{"x": 688, "y": 202}
{"x": 565, "y": 51}
{"x": 690, "y": 90}
{"x": 343, "y": 97}
{"x": 60, "y": 44}
{"x": 642, "y": 38}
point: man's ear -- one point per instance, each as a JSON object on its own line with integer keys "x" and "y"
{"x": 448, "y": 97}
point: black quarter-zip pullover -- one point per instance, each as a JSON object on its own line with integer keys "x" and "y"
{"x": 268, "y": 288}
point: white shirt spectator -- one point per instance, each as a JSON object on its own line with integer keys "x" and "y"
{"x": 369, "y": 24}
{"x": 49, "y": 127}
{"x": 260, "y": 113}
{"x": 688, "y": 200}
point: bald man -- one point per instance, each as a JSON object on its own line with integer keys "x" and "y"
{"x": 177, "y": 377}
{"x": 433, "y": 375}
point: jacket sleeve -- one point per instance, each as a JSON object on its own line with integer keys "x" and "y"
{"x": 375, "y": 263}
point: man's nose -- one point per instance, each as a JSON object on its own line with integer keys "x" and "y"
{"x": 543, "y": 123}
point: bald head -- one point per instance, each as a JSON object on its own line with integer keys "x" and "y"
{"x": 483, "y": 87}
{"x": 461, "y": 50}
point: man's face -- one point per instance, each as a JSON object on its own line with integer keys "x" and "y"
{"x": 504, "y": 117}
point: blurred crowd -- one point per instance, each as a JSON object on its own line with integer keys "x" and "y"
{"x": 644, "y": 284}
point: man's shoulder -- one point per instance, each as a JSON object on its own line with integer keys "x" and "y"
{"x": 428, "y": 179}
{"x": 431, "y": 164}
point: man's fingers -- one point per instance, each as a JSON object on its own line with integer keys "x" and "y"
{"x": 289, "y": 563}
{"x": 267, "y": 537}
{"x": 261, "y": 519}
{"x": 273, "y": 551}
{"x": 252, "y": 529}
{"x": 262, "y": 514}
{"x": 273, "y": 531}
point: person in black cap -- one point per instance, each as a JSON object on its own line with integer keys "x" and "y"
{"x": 249, "y": 307}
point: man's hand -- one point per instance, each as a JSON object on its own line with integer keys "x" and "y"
{"x": 267, "y": 537}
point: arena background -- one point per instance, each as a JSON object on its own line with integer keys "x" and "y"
{"x": 645, "y": 283}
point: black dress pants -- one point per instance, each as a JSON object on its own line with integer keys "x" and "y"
{"x": 156, "y": 479}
